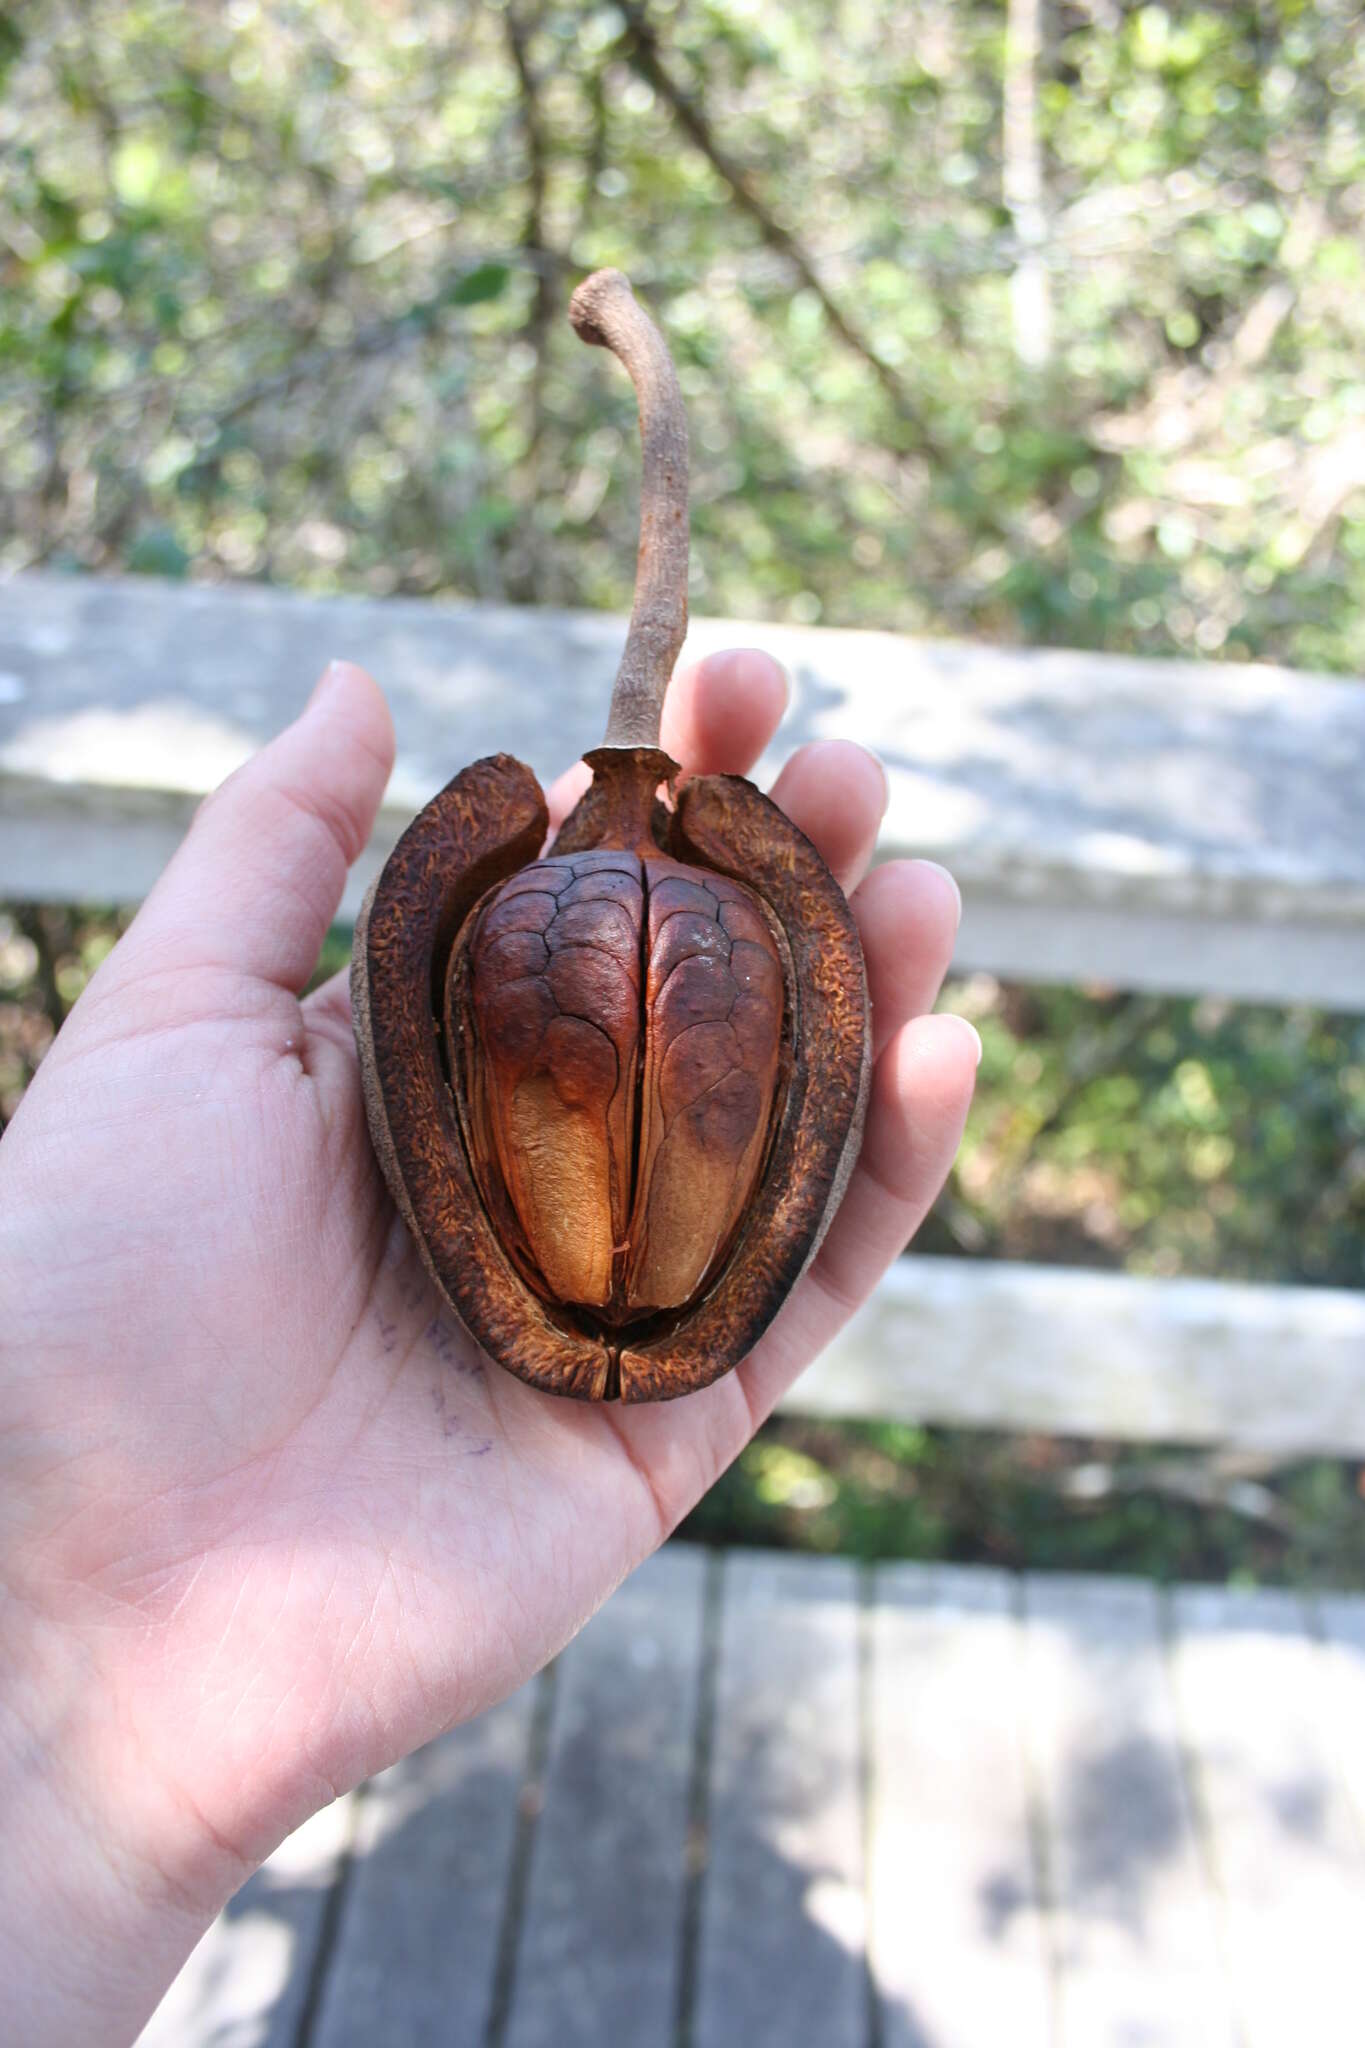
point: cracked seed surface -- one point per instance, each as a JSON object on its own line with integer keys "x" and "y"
{"x": 628, "y": 1017}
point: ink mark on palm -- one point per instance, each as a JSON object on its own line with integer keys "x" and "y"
{"x": 452, "y": 1347}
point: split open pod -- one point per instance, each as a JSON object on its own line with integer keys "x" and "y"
{"x": 616, "y": 1087}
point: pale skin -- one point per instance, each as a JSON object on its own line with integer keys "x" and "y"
{"x": 270, "y": 1519}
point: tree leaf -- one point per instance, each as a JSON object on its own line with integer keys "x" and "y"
{"x": 485, "y": 281}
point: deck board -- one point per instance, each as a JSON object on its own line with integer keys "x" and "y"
{"x": 1286, "y": 1851}
{"x": 1340, "y": 1619}
{"x": 1003, "y": 1344}
{"x": 421, "y": 1911}
{"x": 781, "y": 1939}
{"x": 599, "y": 1950}
{"x": 773, "y": 1802}
{"x": 1134, "y": 1932}
{"x": 956, "y": 1935}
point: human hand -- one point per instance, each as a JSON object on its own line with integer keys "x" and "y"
{"x": 271, "y": 1520}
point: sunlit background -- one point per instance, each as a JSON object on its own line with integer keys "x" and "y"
{"x": 1029, "y": 324}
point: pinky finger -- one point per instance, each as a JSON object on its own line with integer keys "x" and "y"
{"x": 921, "y": 1092}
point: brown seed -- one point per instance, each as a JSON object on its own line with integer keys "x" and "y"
{"x": 617, "y": 1090}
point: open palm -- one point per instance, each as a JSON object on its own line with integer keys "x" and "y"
{"x": 274, "y": 1517}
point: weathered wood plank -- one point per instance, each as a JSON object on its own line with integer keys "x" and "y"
{"x": 781, "y": 1932}
{"x": 600, "y": 1940}
{"x": 1249, "y": 958}
{"x": 247, "y": 1983}
{"x": 1341, "y": 1618}
{"x": 1286, "y": 1852}
{"x": 955, "y": 1934}
{"x": 1009, "y": 1760}
{"x": 1155, "y": 824}
{"x": 1134, "y": 1935}
{"x": 981, "y": 1343}
{"x": 417, "y": 1936}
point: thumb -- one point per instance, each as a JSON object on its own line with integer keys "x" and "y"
{"x": 258, "y": 879}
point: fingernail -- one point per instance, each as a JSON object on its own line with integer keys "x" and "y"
{"x": 784, "y": 674}
{"x": 950, "y": 879}
{"x": 327, "y": 681}
{"x": 970, "y": 1030}
{"x": 747, "y": 662}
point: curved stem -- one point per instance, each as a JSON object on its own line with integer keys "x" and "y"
{"x": 605, "y": 312}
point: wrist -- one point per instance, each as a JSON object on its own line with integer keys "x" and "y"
{"x": 106, "y": 1882}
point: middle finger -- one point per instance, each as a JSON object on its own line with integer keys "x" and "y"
{"x": 836, "y": 793}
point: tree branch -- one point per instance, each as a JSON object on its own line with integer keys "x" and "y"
{"x": 537, "y": 328}
{"x": 642, "y": 52}
{"x": 1022, "y": 177}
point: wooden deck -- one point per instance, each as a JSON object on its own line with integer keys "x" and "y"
{"x": 768, "y": 1800}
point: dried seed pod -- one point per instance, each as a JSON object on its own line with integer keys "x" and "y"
{"x": 616, "y": 1088}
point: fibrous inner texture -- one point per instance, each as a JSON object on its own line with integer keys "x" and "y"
{"x": 627, "y": 1023}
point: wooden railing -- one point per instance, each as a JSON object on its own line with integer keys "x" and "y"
{"x": 1159, "y": 826}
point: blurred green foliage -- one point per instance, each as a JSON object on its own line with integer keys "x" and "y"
{"x": 281, "y": 295}
{"x": 887, "y": 1490}
{"x": 1161, "y": 1135}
